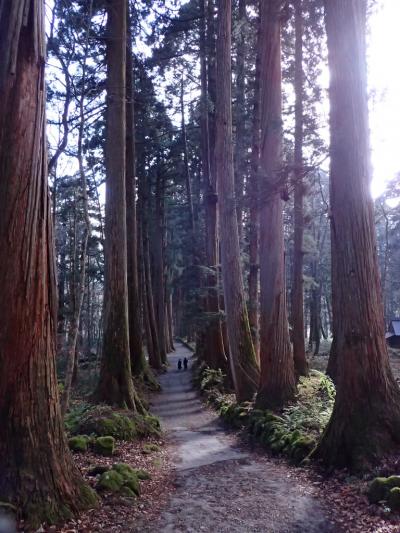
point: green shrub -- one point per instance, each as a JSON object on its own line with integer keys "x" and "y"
{"x": 212, "y": 379}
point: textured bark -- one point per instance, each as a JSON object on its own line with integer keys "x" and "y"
{"x": 213, "y": 347}
{"x": 242, "y": 357}
{"x": 365, "y": 423}
{"x": 158, "y": 270}
{"x": 138, "y": 361}
{"x": 186, "y": 161}
{"x": 115, "y": 383}
{"x": 297, "y": 310}
{"x": 277, "y": 371}
{"x": 253, "y": 194}
{"x": 38, "y": 475}
{"x": 240, "y": 116}
{"x": 154, "y": 356}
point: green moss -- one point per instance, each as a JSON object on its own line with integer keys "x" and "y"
{"x": 394, "y": 499}
{"x": 147, "y": 425}
{"x": 150, "y": 448}
{"x": 98, "y": 469}
{"x": 302, "y": 447}
{"x": 142, "y": 474}
{"x": 381, "y": 486}
{"x": 105, "y": 445}
{"x": 88, "y": 497}
{"x": 110, "y": 481}
{"x": 78, "y": 443}
{"x": 127, "y": 492}
{"x": 130, "y": 477}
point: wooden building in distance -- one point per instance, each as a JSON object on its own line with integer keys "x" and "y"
{"x": 393, "y": 335}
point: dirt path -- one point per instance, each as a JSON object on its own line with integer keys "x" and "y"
{"x": 220, "y": 487}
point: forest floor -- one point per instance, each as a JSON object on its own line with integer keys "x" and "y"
{"x": 220, "y": 484}
{"x": 224, "y": 484}
{"x": 209, "y": 478}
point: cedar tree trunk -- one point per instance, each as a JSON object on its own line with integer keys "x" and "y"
{"x": 365, "y": 422}
{"x": 242, "y": 357}
{"x": 115, "y": 385}
{"x": 277, "y": 371}
{"x": 38, "y": 475}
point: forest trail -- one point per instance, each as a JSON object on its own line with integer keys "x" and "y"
{"x": 219, "y": 487}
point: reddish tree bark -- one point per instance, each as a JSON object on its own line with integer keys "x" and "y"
{"x": 115, "y": 383}
{"x": 241, "y": 351}
{"x": 38, "y": 475}
{"x": 299, "y": 351}
{"x": 277, "y": 372}
{"x": 213, "y": 346}
{"x": 253, "y": 195}
{"x": 138, "y": 362}
{"x": 365, "y": 422}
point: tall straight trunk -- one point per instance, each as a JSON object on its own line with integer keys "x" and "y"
{"x": 213, "y": 347}
{"x": 158, "y": 271}
{"x": 240, "y": 116}
{"x": 253, "y": 195}
{"x": 155, "y": 357}
{"x": 38, "y": 475}
{"x": 79, "y": 286}
{"x": 277, "y": 370}
{"x": 242, "y": 357}
{"x": 115, "y": 383}
{"x": 186, "y": 161}
{"x": 138, "y": 361}
{"x": 297, "y": 309}
{"x": 365, "y": 422}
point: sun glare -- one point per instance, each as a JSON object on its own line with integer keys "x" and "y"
{"x": 384, "y": 81}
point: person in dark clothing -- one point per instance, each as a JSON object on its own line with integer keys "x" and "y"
{"x": 185, "y": 364}
{"x": 180, "y": 364}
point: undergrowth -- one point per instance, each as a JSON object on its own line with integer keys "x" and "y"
{"x": 294, "y": 431}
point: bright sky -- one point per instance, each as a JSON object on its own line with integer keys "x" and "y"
{"x": 384, "y": 79}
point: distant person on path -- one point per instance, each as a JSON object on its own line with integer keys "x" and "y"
{"x": 185, "y": 364}
{"x": 180, "y": 364}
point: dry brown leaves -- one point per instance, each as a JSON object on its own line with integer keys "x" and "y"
{"x": 115, "y": 513}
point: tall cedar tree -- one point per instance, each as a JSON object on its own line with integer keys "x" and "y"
{"x": 37, "y": 472}
{"x": 253, "y": 194}
{"x": 138, "y": 361}
{"x": 213, "y": 345}
{"x": 366, "y": 418}
{"x": 299, "y": 352}
{"x": 115, "y": 384}
{"x": 277, "y": 371}
{"x": 241, "y": 351}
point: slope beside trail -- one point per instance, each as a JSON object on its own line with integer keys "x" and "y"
{"x": 219, "y": 486}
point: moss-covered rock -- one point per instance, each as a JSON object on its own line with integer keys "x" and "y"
{"x": 150, "y": 448}
{"x": 302, "y": 447}
{"x": 98, "y": 469}
{"x": 79, "y": 443}
{"x": 147, "y": 425}
{"x": 110, "y": 481}
{"x": 104, "y": 421}
{"x": 127, "y": 492}
{"x": 380, "y": 487}
{"x": 394, "y": 499}
{"x": 143, "y": 475}
{"x": 130, "y": 477}
{"x": 105, "y": 445}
